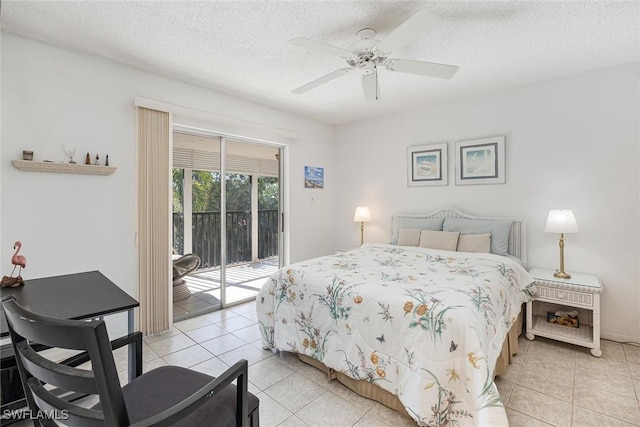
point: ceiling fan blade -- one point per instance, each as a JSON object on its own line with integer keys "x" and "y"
{"x": 320, "y": 47}
{"x": 429, "y": 69}
{"x": 322, "y": 80}
{"x": 370, "y": 85}
{"x": 408, "y": 31}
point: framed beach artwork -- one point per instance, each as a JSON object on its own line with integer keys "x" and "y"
{"x": 313, "y": 177}
{"x": 480, "y": 161}
{"x": 427, "y": 165}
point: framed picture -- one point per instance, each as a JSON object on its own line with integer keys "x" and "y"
{"x": 313, "y": 177}
{"x": 427, "y": 165}
{"x": 480, "y": 161}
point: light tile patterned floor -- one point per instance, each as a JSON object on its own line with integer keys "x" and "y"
{"x": 549, "y": 384}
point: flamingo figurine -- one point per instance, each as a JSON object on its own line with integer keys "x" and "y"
{"x": 18, "y": 260}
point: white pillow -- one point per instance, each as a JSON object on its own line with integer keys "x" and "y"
{"x": 445, "y": 240}
{"x": 408, "y": 236}
{"x": 474, "y": 243}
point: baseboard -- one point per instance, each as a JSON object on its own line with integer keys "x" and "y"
{"x": 611, "y": 336}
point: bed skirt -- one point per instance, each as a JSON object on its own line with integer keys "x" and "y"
{"x": 372, "y": 391}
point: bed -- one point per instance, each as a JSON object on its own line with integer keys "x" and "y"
{"x": 418, "y": 327}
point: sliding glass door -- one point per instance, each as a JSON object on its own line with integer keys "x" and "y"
{"x": 252, "y": 192}
{"x": 226, "y": 211}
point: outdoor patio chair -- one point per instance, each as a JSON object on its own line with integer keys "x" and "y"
{"x": 183, "y": 266}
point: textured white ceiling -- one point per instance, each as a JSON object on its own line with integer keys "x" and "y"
{"x": 240, "y": 47}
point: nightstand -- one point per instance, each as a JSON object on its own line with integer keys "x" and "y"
{"x": 581, "y": 293}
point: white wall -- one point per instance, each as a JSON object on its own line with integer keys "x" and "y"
{"x": 72, "y": 223}
{"x": 570, "y": 143}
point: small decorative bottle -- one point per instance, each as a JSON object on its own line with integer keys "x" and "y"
{"x": 97, "y": 163}
{"x": 106, "y": 161}
{"x": 87, "y": 160}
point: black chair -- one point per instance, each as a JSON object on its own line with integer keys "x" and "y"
{"x": 168, "y": 395}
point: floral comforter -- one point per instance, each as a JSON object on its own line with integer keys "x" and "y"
{"x": 425, "y": 325}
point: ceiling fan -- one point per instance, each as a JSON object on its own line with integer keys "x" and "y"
{"x": 368, "y": 54}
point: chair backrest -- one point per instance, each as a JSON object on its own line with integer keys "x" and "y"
{"x": 28, "y": 328}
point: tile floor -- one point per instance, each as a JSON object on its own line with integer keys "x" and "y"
{"x": 549, "y": 384}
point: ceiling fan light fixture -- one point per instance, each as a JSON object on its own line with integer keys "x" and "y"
{"x": 366, "y": 53}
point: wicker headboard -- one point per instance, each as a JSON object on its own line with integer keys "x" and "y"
{"x": 517, "y": 236}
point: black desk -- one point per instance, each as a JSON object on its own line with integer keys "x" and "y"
{"x": 76, "y": 296}
{"x": 73, "y": 296}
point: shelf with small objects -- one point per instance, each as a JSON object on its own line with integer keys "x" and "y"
{"x": 35, "y": 166}
{"x": 88, "y": 168}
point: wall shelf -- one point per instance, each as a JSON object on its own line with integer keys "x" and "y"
{"x": 33, "y": 166}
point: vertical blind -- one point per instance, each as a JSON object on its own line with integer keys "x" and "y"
{"x": 153, "y": 221}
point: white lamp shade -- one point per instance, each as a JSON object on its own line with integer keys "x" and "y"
{"x": 362, "y": 214}
{"x": 561, "y": 221}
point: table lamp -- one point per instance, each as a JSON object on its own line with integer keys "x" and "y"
{"x": 561, "y": 221}
{"x": 362, "y": 215}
